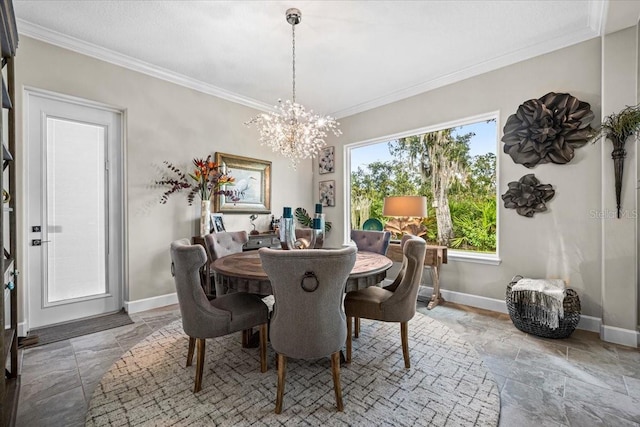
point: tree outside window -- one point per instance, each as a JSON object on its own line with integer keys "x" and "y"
{"x": 455, "y": 168}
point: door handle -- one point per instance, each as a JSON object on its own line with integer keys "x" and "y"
{"x": 38, "y": 242}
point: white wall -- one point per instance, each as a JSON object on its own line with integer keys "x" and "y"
{"x": 565, "y": 241}
{"x": 164, "y": 121}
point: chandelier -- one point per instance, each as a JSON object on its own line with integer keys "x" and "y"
{"x": 291, "y": 130}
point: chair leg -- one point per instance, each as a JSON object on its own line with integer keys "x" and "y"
{"x": 282, "y": 368}
{"x": 356, "y": 334}
{"x": 349, "y": 327}
{"x": 246, "y": 337}
{"x": 263, "y": 347}
{"x": 192, "y": 345}
{"x": 404, "y": 334}
{"x": 335, "y": 372}
{"x": 200, "y": 344}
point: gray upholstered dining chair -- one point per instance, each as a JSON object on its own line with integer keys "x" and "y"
{"x": 202, "y": 318}
{"x": 395, "y": 302}
{"x": 371, "y": 240}
{"x": 308, "y": 320}
{"x": 221, "y": 244}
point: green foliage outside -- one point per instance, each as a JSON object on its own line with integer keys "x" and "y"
{"x": 471, "y": 193}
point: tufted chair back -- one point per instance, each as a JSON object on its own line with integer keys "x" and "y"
{"x": 222, "y": 244}
{"x": 371, "y": 240}
{"x": 225, "y": 243}
{"x": 308, "y": 319}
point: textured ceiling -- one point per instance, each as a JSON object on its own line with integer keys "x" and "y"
{"x": 351, "y": 55}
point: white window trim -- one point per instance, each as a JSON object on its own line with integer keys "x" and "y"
{"x": 452, "y": 254}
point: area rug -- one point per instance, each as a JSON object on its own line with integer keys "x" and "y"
{"x": 447, "y": 384}
{"x": 65, "y": 331}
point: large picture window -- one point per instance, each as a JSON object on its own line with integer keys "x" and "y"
{"x": 454, "y": 166}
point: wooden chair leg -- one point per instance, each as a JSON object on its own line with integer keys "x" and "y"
{"x": 335, "y": 372}
{"x": 246, "y": 337}
{"x": 192, "y": 345}
{"x": 356, "y": 334}
{"x": 282, "y": 368}
{"x": 200, "y": 344}
{"x": 404, "y": 334}
{"x": 263, "y": 347}
{"x": 349, "y": 327}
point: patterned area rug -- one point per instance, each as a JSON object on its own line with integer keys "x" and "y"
{"x": 447, "y": 384}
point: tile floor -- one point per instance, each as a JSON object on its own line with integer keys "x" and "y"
{"x": 580, "y": 381}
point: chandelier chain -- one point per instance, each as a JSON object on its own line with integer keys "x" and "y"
{"x": 293, "y": 49}
{"x": 291, "y": 129}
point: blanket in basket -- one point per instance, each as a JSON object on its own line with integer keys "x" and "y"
{"x": 540, "y": 300}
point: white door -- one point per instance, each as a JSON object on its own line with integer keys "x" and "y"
{"x": 74, "y": 215}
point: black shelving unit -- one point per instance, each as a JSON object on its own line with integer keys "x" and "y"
{"x": 10, "y": 386}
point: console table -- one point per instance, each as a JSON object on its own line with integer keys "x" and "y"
{"x": 262, "y": 240}
{"x": 434, "y": 258}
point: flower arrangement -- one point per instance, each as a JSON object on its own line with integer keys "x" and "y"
{"x": 204, "y": 181}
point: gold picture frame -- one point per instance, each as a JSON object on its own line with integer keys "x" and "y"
{"x": 252, "y": 189}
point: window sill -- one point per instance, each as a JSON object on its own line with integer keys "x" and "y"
{"x": 478, "y": 258}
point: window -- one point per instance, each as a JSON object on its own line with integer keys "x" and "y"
{"x": 454, "y": 165}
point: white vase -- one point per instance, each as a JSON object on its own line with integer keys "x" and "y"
{"x": 205, "y": 210}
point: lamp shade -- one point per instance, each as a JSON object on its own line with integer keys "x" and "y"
{"x": 415, "y": 206}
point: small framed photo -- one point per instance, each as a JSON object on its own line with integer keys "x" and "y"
{"x": 326, "y": 160}
{"x": 216, "y": 223}
{"x": 327, "y": 193}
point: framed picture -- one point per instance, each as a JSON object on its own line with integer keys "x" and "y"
{"x": 327, "y": 193}
{"x": 251, "y": 192}
{"x": 216, "y": 223}
{"x": 325, "y": 160}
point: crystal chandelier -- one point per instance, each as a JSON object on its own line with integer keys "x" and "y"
{"x": 291, "y": 130}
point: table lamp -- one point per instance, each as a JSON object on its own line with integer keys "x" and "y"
{"x": 405, "y": 207}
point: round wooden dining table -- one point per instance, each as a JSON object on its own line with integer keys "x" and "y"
{"x": 243, "y": 272}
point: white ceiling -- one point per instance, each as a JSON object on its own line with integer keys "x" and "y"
{"x": 350, "y": 55}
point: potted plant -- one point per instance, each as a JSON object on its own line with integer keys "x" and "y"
{"x": 617, "y": 128}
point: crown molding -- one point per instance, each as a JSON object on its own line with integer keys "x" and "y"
{"x": 596, "y": 19}
{"x": 484, "y": 67}
{"x": 598, "y": 15}
{"x": 76, "y": 45}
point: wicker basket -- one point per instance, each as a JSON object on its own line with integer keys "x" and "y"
{"x": 566, "y": 325}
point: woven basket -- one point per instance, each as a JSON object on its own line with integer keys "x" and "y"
{"x": 566, "y": 325}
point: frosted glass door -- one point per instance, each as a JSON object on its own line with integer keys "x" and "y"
{"x": 75, "y": 234}
{"x": 75, "y": 209}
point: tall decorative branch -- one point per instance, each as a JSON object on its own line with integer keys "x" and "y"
{"x": 617, "y": 128}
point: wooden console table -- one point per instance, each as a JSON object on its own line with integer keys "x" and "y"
{"x": 434, "y": 258}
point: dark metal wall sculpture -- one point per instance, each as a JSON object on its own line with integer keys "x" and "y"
{"x": 547, "y": 130}
{"x": 527, "y": 196}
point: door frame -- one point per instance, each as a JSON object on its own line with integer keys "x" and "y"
{"x": 23, "y": 212}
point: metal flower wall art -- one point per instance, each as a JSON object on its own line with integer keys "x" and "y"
{"x": 547, "y": 130}
{"x": 527, "y": 196}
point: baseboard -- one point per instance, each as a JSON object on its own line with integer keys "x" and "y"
{"x": 475, "y": 301}
{"x": 22, "y": 329}
{"x": 587, "y": 323}
{"x": 620, "y": 336}
{"x": 150, "y": 303}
